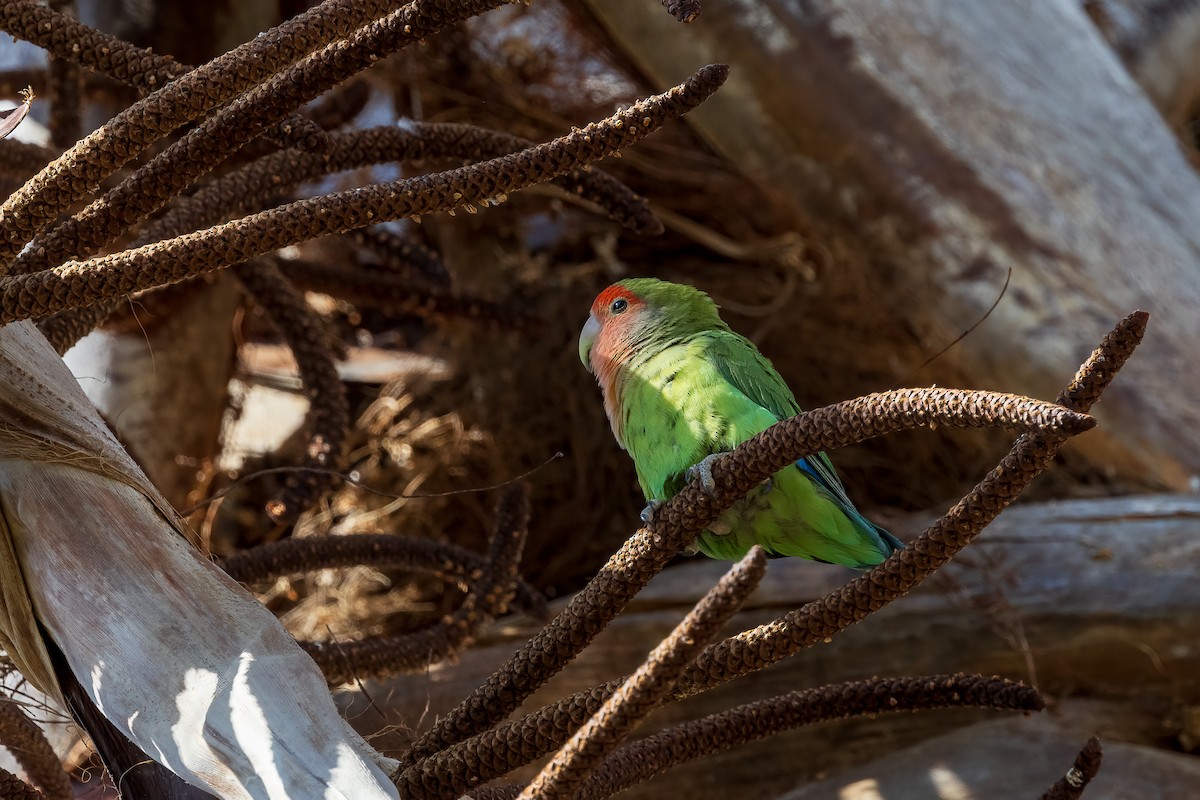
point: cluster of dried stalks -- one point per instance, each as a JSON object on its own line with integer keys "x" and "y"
{"x": 158, "y": 229}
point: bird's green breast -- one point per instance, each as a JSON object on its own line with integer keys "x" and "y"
{"x": 677, "y": 408}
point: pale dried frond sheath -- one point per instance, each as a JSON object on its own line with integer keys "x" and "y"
{"x": 172, "y": 651}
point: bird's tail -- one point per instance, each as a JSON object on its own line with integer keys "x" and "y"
{"x": 882, "y": 542}
{"x": 887, "y": 538}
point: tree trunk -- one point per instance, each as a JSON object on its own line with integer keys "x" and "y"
{"x": 161, "y": 379}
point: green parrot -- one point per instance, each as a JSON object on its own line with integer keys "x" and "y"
{"x": 680, "y": 388}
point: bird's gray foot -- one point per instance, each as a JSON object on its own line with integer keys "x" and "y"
{"x": 703, "y": 470}
{"x": 720, "y": 527}
{"x": 650, "y": 510}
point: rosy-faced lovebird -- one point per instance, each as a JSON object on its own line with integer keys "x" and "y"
{"x": 680, "y": 387}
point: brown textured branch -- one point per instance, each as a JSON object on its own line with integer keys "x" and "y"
{"x": 678, "y": 520}
{"x": 65, "y": 329}
{"x": 263, "y": 182}
{"x": 1086, "y": 766}
{"x": 495, "y": 751}
{"x": 488, "y": 598}
{"x": 905, "y": 569}
{"x": 341, "y": 105}
{"x": 66, "y": 92}
{"x": 644, "y": 759}
{"x": 79, "y": 171}
{"x": 329, "y": 413}
{"x": 258, "y": 184}
{"x": 25, "y": 740}
{"x": 447, "y": 561}
{"x": 152, "y": 186}
{"x": 403, "y": 255}
{"x": 79, "y": 284}
{"x": 373, "y": 289}
{"x": 452, "y": 773}
{"x": 66, "y": 39}
{"x": 683, "y": 10}
{"x": 644, "y": 690}
{"x": 13, "y": 788}
{"x": 546, "y": 729}
{"x": 66, "y": 103}
{"x": 71, "y": 45}
{"x": 622, "y": 205}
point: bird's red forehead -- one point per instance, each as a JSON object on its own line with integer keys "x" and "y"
{"x": 605, "y": 298}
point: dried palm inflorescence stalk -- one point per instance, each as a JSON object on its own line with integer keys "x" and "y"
{"x": 188, "y": 665}
{"x": 471, "y": 745}
{"x": 1087, "y": 764}
{"x": 172, "y": 652}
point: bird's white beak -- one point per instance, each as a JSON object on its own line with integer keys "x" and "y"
{"x": 587, "y": 338}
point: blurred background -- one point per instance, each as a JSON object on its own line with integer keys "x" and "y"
{"x": 884, "y": 194}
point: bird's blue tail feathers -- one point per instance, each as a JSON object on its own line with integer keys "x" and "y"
{"x": 822, "y": 472}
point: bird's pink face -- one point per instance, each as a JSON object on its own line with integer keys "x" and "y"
{"x": 608, "y": 333}
{"x": 607, "y": 340}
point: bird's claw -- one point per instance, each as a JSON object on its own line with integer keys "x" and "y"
{"x": 650, "y": 510}
{"x": 703, "y": 471}
{"x": 720, "y": 527}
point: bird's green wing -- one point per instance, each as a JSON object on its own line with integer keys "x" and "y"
{"x": 740, "y": 362}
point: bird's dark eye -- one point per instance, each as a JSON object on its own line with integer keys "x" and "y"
{"x": 619, "y": 305}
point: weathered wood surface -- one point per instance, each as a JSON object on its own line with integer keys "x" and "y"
{"x": 1096, "y": 600}
{"x": 1160, "y": 43}
{"x": 972, "y": 138}
{"x": 1010, "y": 758}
